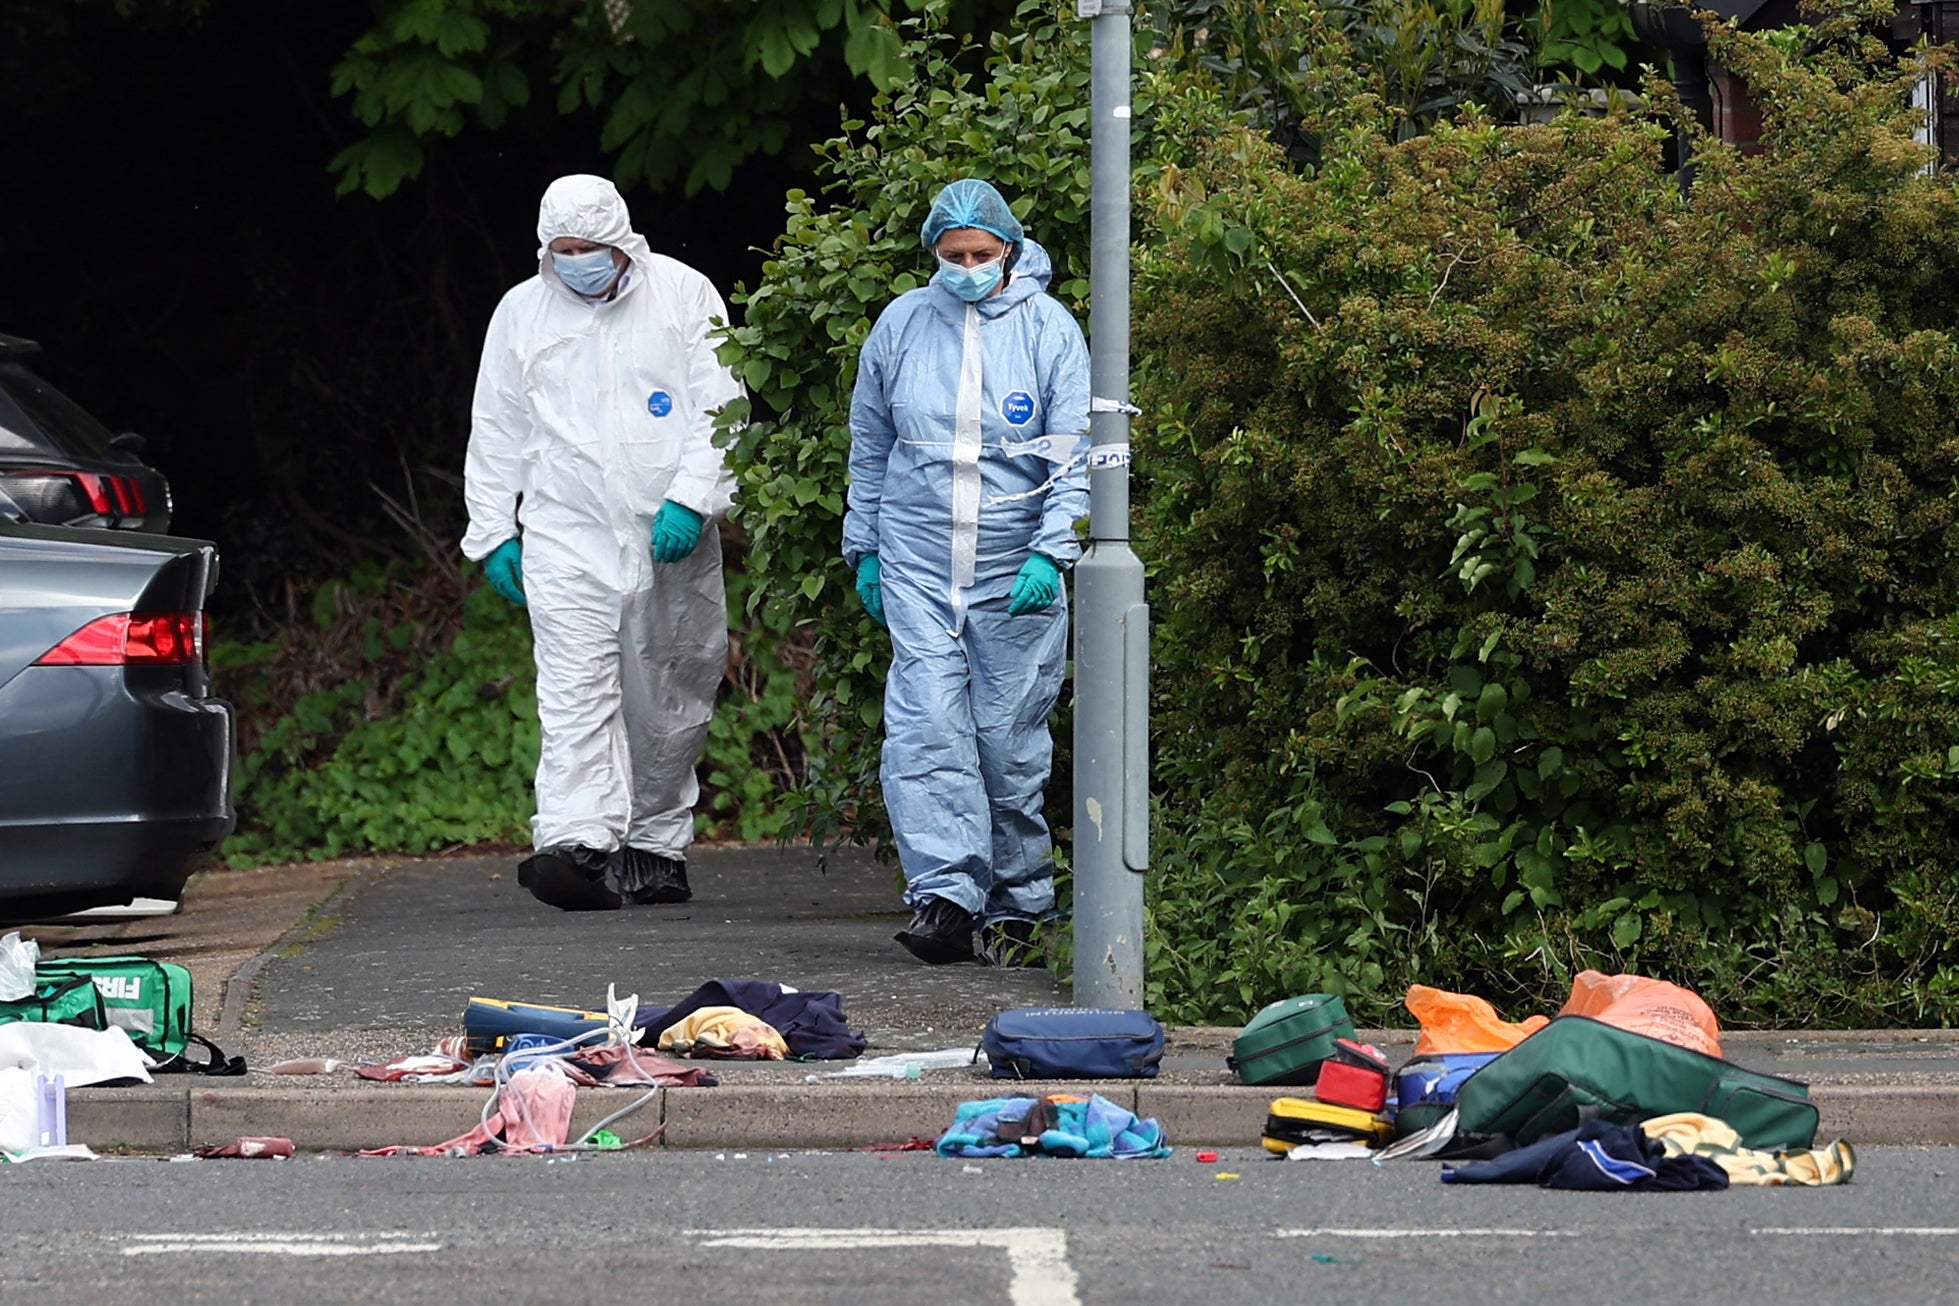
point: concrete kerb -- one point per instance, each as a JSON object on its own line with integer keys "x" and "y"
{"x": 169, "y": 1119}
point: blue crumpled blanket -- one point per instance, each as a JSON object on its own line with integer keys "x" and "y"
{"x": 1061, "y": 1124}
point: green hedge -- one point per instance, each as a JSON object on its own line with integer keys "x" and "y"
{"x": 1555, "y": 570}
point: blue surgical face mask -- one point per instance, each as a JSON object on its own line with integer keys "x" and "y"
{"x": 589, "y": 273}
{"x": 976, "y": 283}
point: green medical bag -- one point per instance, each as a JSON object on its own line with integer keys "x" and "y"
{"x": 150, "y": 1001}
{"x": 69, "y": 1001}
{"x": 1577, "y": 1068}
{"x": 1286, "y": 1042}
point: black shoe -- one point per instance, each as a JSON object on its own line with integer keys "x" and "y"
{"x": 569, "y": 878}
{"x": 1010, "y": 942}
{"x": 940, "y": 933}
{"x": 647, "y": 878}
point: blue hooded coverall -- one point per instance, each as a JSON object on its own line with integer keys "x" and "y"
{"x": 967, "y": 425}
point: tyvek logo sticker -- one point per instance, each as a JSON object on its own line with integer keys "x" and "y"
{"x": 659, "y": 403}
{"x": 1018, "y": 408}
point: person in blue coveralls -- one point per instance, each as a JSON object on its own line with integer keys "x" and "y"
{"x": 968, "y": 438}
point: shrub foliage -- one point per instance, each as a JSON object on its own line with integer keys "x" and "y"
{"x": 1553, "y": 569}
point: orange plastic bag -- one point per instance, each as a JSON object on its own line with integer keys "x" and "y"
{"x": 1458, "y": 1022}
{"x": 1651, "y": 1007}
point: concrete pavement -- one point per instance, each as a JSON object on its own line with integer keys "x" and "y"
{"x": 386, "y": 967}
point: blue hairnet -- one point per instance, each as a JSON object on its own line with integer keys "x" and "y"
{"x": 971, "y": 202}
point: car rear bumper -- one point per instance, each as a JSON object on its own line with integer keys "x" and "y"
{"x": 113, "y": 783}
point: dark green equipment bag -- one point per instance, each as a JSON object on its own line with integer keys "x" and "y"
{"x": 1286, "y": 1042}
{"x": 149, "y": 1001}
{"x": 71, "y": 1001}
{"x": 1577, "y": 1069}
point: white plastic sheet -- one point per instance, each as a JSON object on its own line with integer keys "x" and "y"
{"x": 80, "y": 1056}
{"x": 900, "y": 1065}
{"x": 17, "y": 960}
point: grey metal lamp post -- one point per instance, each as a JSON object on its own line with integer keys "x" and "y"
{"x": 1111, "y": 847}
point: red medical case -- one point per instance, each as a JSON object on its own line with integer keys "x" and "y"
{"x": 1356, "y": 1075}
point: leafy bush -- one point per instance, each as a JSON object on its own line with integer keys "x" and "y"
{"x": 687, "y": 90}
{"x": 1292, "y": 65}
{"x": 756, "y": 752}
{"x": 1552, "y": 569}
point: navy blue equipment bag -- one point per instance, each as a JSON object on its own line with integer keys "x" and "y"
{"x": 1073, "y": 1043}
{"x": 1425, "y": 1088}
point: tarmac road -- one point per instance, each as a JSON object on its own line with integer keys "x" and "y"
{"x": 720, "y": 1227}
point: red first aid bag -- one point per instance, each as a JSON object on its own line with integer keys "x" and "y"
{"x": 1356, "y": 1075}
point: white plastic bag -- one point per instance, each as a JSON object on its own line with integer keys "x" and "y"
{"x": 17, "y": 960}
{"x": 20, "y": 1113}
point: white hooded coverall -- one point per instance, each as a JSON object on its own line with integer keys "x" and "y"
{"x": 587, "y": 416}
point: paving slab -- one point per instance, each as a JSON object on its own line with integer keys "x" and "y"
{"x": 410, "y": 949}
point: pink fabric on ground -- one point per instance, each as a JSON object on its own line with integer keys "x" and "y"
{"x": 533, "y": 1114}
{"x": 536, "y": 1109}
{"x": 617, "y": 1065}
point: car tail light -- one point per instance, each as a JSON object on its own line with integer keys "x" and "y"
{"x": 65, "y": 496}
{"x": 49, "y": 496}
{"x": 149, "y": 639}
{"x": 98, "y": 494}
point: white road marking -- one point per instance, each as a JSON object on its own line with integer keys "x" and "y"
{"x": 1851, "y": 1231}
{"x": 277, "y": 1244}
{"x": 1425, "y": 1233}
{"x": 1819, "y": 1231}
{"x": 1038, "y": 1257}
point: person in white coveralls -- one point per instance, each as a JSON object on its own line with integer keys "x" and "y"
{"x": 593, "y": 487}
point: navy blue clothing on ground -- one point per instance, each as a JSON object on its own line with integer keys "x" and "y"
{"x": 812, "y": 1024}
{"x": 1595, "y": 1156}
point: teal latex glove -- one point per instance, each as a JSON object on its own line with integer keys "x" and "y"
{"x": 870, "y": 587}
{"x": 1036, "y": 588}
{"x": 504, "y": 569}
{"x": 676, "y": 531}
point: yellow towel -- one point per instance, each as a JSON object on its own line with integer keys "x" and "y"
{"x": 1689, "y": 1132}
{"x": 724, "y": 1032}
